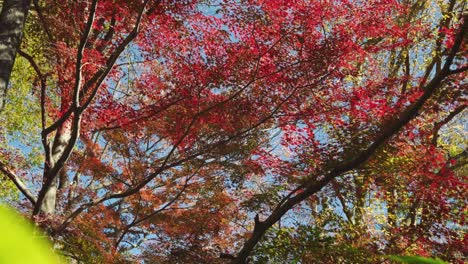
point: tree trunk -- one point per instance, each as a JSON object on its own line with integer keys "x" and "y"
{"x": 49, "y": 191}
{"x": 12, "y": 19}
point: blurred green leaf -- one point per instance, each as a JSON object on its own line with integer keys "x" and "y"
{"x": 20, "y": 243}
{"x": 417, "y": 260}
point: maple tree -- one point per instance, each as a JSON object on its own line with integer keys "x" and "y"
{"x": 188, "y": 131}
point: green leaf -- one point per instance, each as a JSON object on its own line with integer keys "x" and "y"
{"x": 417, "y": 260}
{"x": 20, "y": 243}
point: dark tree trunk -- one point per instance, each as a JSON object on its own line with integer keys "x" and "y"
{"x": 12, "y": 18}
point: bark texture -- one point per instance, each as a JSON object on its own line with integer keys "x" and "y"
{"x": 12, "y": 19}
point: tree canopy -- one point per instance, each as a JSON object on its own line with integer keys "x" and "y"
{"x": 238, "y": 131}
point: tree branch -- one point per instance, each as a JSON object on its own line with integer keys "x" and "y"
{"x": 18, "y": 183}
{"x": 440, "y": 124}
{"x": 389, "y": 130}
{"x": 43, "y": 80}
{"x": 50, "y": 175}
{"x": 165, "y": 166}
{"x": 136, "y": 222}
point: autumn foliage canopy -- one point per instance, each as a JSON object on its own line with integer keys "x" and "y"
{"x": 243, "y": 131}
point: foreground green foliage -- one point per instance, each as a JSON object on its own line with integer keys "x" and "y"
{"x": 20, "y": 243}
{"x": 417, "y": 260}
